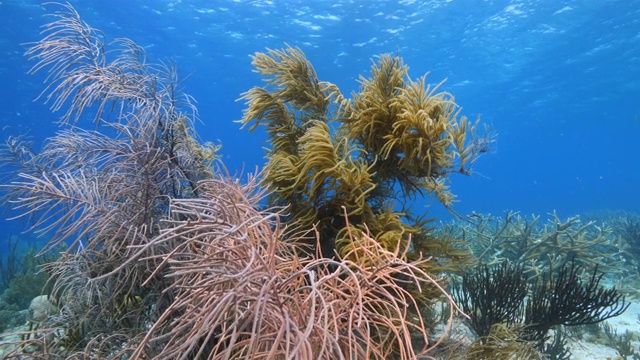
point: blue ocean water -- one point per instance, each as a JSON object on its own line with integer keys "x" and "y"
{"x": 559, "y": 81}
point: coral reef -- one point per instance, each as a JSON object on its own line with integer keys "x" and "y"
{"x": 163, "y": 257}
{"x": 541, "y": 247}
{"x": 627, "y": 229}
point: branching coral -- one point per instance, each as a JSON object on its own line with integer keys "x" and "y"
{"x": 103, "y": 191}
{"x": 563, "y": 298}
{"x": 627, "y": 229}
{"x": 241, "y": 291}
{"x": 521, "y": 239}
{"x": 492, "y": 295}
{"x": 412, "y": 129}
{"x": 499, "y": 296}
{"x": 394, "y": 139}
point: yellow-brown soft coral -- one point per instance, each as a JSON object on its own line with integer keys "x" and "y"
{"x": 393, "y": 139}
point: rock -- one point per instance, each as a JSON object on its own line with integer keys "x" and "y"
{"x": 40, "y": 308}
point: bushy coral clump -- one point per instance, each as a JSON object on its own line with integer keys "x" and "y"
{"x": 372, "y": 154}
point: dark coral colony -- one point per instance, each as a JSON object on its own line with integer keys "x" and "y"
{"x": 156, "y": 252}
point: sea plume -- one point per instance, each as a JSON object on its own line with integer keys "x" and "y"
{"x": 241, "y": 291}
